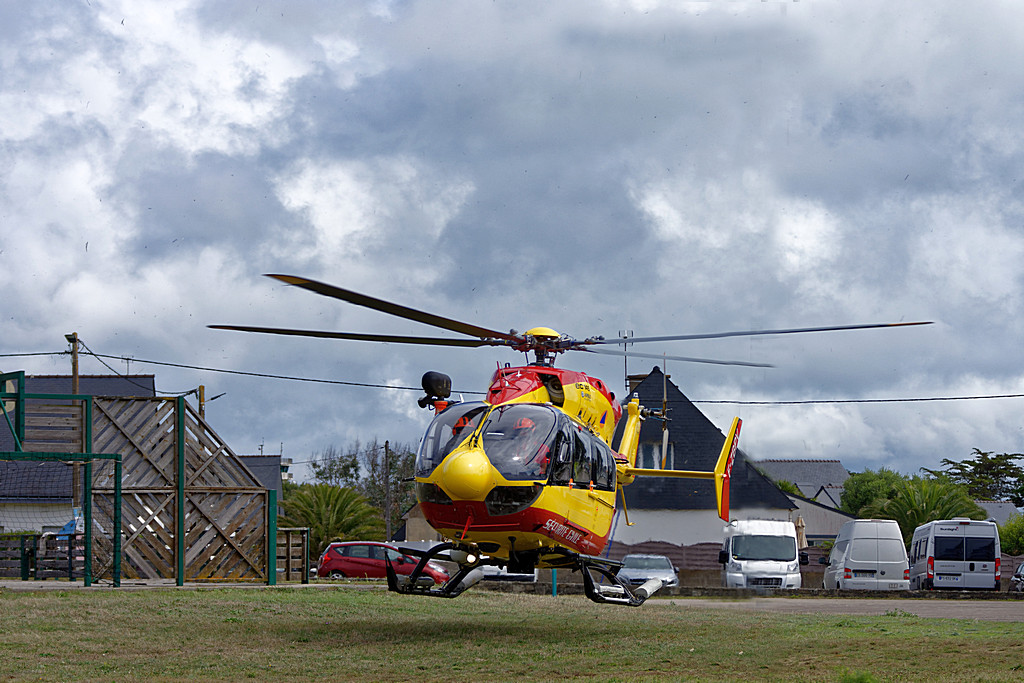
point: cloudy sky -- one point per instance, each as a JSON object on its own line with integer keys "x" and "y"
{"x": 660, "y": 167}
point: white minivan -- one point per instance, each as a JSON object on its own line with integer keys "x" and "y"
{"x": 868, "y": 554}
{"x": 961, "y": 554}
{"x": 758, "y": 553}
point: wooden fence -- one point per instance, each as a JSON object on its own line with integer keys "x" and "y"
{"x": 191, "y": 510}
{"x": 42, "y": 556}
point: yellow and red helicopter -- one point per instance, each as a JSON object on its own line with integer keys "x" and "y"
{"x": 527, "y": 477}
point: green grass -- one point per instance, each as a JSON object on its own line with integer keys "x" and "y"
{"x": 370, "y": 635}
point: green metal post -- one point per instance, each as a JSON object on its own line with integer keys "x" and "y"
{"x": 271, "y": 537}
{"x": 554, "y": 583}
{"x": 87, "y": 508}
{"x": 87, "y": 491}
{"x": 179, "y": 517}
{"x": 117, "y": 522}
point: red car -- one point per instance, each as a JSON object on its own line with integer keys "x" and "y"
{"x": 364, "y": 559}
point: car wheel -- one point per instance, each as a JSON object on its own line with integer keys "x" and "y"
{"x": 337, "y": 575}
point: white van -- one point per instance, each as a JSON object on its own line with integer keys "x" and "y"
{"x": 961, "y": 554}
{"x": 758, "y": 553}
{"x": 868, "y": 555}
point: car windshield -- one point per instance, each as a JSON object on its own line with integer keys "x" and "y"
{"x": 517, "y": 440}
{"x": 778, "y": 548}
{"x": 635, "y": 562}
{"x": 449, "y": 429}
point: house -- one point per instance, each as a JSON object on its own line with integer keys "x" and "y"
{"x": 819, "y": 480}
{"x": 684, "y": 511}
{"x": 998, "y": 511}
{"x": 39, "y": 496}
{"x": 269, "y": 470}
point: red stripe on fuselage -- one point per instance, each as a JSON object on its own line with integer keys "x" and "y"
{"x": 531, "y": 520}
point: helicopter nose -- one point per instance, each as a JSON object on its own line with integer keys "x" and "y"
{"x": 467, "y": 475}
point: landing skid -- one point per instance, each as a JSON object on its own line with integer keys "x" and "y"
{"x": 615, "y": 591}
{"x": 413, "y": 584}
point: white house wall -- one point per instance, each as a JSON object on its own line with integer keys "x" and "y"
{"x": 683, "y": 527}
{"x": 818, "y": 521}
{"x": 37, "y": 517}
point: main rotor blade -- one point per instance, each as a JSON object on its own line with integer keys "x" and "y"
{"x": 386, "y": 338}
{"x": 749, "y": 333}
{"x": 631, "y": 354}
{"x": 392, "y": 309}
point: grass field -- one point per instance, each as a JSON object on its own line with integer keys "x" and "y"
{"x": 371, "y": 635}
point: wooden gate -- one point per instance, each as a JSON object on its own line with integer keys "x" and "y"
{"x": 191, "y": 510}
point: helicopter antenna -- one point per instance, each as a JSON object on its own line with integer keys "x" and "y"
{"x": 624, "y": 335}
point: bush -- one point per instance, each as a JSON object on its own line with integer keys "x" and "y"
{"x": 1011, "y": 535}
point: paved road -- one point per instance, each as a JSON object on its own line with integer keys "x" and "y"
{"x": 989, "y": 610}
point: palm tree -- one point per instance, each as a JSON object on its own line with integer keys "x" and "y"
{"x": 332, "y": 513}
{"x": 916, "y": 501}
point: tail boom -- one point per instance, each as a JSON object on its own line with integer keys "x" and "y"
{"x": 720, "y": 475}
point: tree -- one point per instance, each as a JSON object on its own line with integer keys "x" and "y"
{"x": 332, "y": 514}
{"x": 916, "y": 501}
{"x": 864, "y": 488}
{"x": 382, "y": 473}
{"x": 987, "y": 476}
{"x": 1011, "y": 535}
{"x": 331, "y": 466}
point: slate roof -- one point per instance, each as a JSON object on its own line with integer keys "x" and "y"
{"x": 697, "y": 444}
{"x": 808, "y": 475}
{"x": 998, "y": 511}
{"x": 51, "y": 481}
{"x": 266, "y": 469}
{"x": 831, "y": 495}
{"x": 35, "y": 482}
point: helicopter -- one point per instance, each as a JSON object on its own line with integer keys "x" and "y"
{"x": 528, "y": 477}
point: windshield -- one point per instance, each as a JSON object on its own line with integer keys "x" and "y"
{"x": 516, "y": 439}
{"x": 779, "y": 548}
{"x": 448, "y": 430}
{"x": 635, "y": 562}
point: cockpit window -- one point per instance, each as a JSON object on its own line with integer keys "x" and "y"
{"x": 449, "y": 429}
{"x": 517, "y": 439}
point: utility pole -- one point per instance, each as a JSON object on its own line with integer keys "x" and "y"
{"x": 73, "y": 340}
{"x": 387, "y": 491}
{"x": 76, "y": 468}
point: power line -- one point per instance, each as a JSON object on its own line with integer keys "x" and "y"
{"x": 127, "y": 378}
{"x": 861, "y": 400}
{"x": 368, "y": 385}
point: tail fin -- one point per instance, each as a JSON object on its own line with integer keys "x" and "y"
{"x": 723, "y": 468}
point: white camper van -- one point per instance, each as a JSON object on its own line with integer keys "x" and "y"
{"x": 961, "y": 554}
{"x": 758, "y": 553}
{"x": 868, "y": 555}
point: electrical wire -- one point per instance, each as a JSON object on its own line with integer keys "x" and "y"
{"x": 367, "y": 385}
{"x": 129, "y": 379}
{"x": 861, "y": 400}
